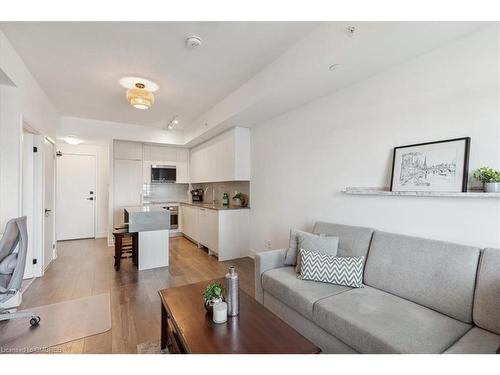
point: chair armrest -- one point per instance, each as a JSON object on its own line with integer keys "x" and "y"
{"x": 266, "y": 261}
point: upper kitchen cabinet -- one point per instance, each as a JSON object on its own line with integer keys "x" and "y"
{"x": 127, "y": 150}
{"x": 225, "y": 157}
{"x": 182, "y": 164}
{"x": 160, "y": 153}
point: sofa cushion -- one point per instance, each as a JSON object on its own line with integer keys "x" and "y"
{"x": 293, "y": 247}
{"x": 487, "y": 298}
{"x": 435, "y": 274}
{"x": 476, "y": 341}
{"x": 300, "y": 295}
{"x": 327, "y": 245}
{"x": 353, "y": 241}
{"x": 373, "y": 321}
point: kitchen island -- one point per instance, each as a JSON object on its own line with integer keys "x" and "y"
{"x": 152, "y": 223}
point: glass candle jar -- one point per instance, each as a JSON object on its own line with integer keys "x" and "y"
{"x": 220, "y": 312}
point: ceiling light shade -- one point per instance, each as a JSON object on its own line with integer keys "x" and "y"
{"x": 72, "y": 140}
{"x": 139, "y": 97}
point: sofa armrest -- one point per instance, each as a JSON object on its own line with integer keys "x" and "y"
{"x": 266, "y": 261}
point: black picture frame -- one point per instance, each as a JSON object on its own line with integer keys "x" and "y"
{"x": 465, "y": 176}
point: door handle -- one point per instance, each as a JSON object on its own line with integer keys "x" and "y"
{"x": 90, "y": 199}
{"x": 47, "y": 212}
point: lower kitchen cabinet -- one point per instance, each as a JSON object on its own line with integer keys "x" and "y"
{"x": 223, "y": 232}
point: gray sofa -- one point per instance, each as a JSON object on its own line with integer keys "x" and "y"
{"x": 420, "y": 296}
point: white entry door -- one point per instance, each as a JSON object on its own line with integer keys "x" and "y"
{"x": 76, "y": 196}
{"x": 48, "y": 222}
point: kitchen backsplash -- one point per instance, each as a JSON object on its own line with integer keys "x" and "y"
{"x": 165, "y": 192}
{"x": 229, "y": 187}
{"x": 179, "y": 192}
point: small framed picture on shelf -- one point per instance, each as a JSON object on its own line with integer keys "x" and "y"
{"x": 432, "y": 166}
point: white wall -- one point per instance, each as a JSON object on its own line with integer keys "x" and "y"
{"x": 101, "y": 152}
{"x": 35, "y": 106}
{"x": 303, "y": 159}
{"x": 10, "y": 154}
{"x": 89, "y": 129}
{"x": 21, "y": 100}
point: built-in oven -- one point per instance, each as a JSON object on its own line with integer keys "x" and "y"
{"x": 174, "y": 216}
{"x": 161, "y": 174}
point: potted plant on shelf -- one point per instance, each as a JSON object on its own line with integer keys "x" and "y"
{"x": 490, "y": 179}
{"x": 213, "y": 295}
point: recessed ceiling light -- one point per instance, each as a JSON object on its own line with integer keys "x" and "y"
{"x": 72, "y": 140}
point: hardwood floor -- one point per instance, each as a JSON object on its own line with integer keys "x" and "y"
{"x": 85, "y": 268}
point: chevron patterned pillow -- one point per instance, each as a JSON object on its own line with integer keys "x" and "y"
{"x": 346, "y": 271}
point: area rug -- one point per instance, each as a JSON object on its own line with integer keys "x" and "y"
{"x": 150, "y": 347}
{"x": 60, "y": 323}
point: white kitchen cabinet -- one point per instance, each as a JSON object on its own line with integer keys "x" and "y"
{"x": 189, "y": 222}
{"x": 160, "y": 153}
{"x": 127, "y": 186}
{"x": 182, "y": 164}
{"x": 223, "y": 232}
{"x": 225, "y": 157}
{"x": 208, "y": 233}
{"x": 127, "y": 150}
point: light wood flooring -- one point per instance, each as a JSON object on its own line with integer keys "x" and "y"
{"x": 85, "y": 267}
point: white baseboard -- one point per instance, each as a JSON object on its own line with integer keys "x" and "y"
{"x": 101, "y": 235}
{"x": 252, "y": 253}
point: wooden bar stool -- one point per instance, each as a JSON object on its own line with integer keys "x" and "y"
{"x": 126, "y": 245}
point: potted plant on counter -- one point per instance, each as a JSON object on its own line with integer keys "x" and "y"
{"x": 213, "y": 295}
{"x": 490, "y": 179}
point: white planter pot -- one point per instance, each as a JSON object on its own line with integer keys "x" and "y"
{"x": 492, "y": 187}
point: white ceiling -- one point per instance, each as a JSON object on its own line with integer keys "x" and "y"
{"x": 78, "y": 64}
{"x": 301, "y": 74}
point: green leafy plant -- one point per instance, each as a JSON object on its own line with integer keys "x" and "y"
{"x": 213, "y": 291}
{"x": 486, "y": 175}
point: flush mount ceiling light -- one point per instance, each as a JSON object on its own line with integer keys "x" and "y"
{"x": 140, "y": 91}
{"x": 72, "y": 140}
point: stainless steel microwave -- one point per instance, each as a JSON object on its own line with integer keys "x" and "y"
{"x": 163, "y": 174}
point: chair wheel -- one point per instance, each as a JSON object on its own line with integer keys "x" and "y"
{"x": 35, "y": 321}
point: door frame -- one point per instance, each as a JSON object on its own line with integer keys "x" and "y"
{"x": 96, "y": 195}
{"x": 54, "y": 192}
{"x": 38, "y": 199}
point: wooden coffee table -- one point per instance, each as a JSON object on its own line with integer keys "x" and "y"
{"x": 186, "y": 327}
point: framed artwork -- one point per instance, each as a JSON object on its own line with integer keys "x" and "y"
{"x": 432, "y": 166}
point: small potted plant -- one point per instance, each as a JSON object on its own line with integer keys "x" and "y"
{"x": 490, "y": 179}
{"x": 213, "y": 295}
{"x": 238, "y": 198}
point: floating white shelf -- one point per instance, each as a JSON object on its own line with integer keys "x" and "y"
{"x": 387, "y": 192}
